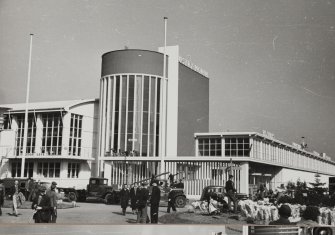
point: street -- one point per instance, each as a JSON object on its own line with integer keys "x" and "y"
{"x": 98, "y": 218}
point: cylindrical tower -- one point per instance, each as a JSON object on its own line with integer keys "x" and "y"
{"x": 130, "y": 102}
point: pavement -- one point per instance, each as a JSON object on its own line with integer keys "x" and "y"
{"x": 98, "y": 218}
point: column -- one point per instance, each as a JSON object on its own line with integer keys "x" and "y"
{"x": 244, "y": 180}
{"x": 39, "y": 134}
{"x": 66, "y": 134}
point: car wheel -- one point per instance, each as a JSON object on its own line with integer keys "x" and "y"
{"x": 109, "y": 198}
{"x": 322, "y": 231}
{"x": 180, "y": 202}
{"x": 72, "y": 196}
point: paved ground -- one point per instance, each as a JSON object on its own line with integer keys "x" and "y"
{"x": 83, "y": 213}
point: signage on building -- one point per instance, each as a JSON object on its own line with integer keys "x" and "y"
{"x": 192, "y": 66}
{"x": 268, "y": 134}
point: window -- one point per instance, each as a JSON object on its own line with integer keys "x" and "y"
{"x": 73, "y": 170}
{"x": 16, "y": 169}
{"x": 31, "y": 134}
{"x": 52, "y": 134}
{"x": 237, "y": 147}
{"x": 48, "y": 169}
{"x": 210, "y": 146}
{"x": 75, "y": 135}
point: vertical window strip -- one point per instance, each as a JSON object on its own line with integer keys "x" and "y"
{"x": 155, "y": 119}
{"x": 113, "y": 112}
{"x": 126, "y": 124}
{"x": 120, "y": 112}
{"x": 149, "y": 114}
{"x": 141, "y": 120}
{"x": 108, "y": 104}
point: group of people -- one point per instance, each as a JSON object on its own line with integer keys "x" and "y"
{"x": 44, "y": 202}
{"x": 139, "y": 198}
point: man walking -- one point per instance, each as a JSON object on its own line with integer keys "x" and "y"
{"x": 154, "y": 202}
{"x": 124, "y": 198}
{"x": 2, "y": 195}
{"x": 230, "y": 188}
{"x": 171, "y": 202}
{"x": 142, "y": 199}
{"x": 132, "y": 194}
{"x": 42, "y": 205}
{"x": 15, "y": 197}
{"x": 51, "y": 194}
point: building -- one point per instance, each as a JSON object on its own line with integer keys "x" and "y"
{"x": 146, "y": 123}
{"x": 61, "y": 141}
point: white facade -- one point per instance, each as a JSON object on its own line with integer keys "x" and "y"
{"x": 61, "y": 145}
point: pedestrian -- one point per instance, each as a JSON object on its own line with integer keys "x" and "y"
{"x": 132, "y": 195}
{"x": 284, "y": 213}
{"x": 137, "y": 199}
{"x": 42, "y": 206}
{"x": 51, "y": 194}
{"x": 171, "y": 202}
{"x": 142, "y": 200}
{"x": 154, "y": 203}
{"x": 230, "y": 189}
{"x": 30, "y": 188}
{"x": 124, "y": 198}
{"x": 15, "y": 197}
{"x": 2, "y": 195}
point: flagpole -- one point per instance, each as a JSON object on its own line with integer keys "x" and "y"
{"x": 25, "y": 134}
{"x": 164, "y": 108}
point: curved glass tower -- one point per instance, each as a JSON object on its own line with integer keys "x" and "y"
{"x": 130, "y": 102}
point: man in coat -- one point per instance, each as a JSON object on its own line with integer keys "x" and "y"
{"x": 51, "y": 194}
{"x": 154, "y": 202}
{"x": 142, "y": 199}
{"x": 42, "y": 205}
{"x": 15, "y": 197}
{"x": 171, "y": 202}
{"x": 124, "y": 198}
{"x": 230, "y": 188}
{"x": 132, "y": 194}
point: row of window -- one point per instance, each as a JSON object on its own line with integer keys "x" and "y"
{"x": 45, "y": 169}
{"x": 131, "y": 113}
{"x": 232, "y": 147}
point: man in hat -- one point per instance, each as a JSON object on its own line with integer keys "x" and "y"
{"x": 124, "y": 198}
{"x": 132, "y": 194}
{"x": 230, "y": 189}
{"x": 2, "y": 195}
{"x": 51, "y": 194}
{"x": 42, "y": 205}
{"x": 171, "y": 202}
{"x": 142, "y": 199}
{"x": 284, "y": 213}
{"x": 154, "y": 203}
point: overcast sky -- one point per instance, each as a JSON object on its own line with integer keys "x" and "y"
{"x": 271, "y": 62}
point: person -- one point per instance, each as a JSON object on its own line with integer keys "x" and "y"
{"x": 310, "y": 217}
{"x": 230, "y": 189}
{"x": 51, "y": 194}
{"x": 154, "y": 202}
{"x": 171, "y": 202}
{"x": 153, "y": 180}
{"x": 171, "y": 179}
{"x": 142, "y": 199}
{"x": 42, "y": 206}
{"x": 2, "y": 195}
{"x": 137, "y": 199}
{"x": 132, "y": 195}
{"x": 180, "y": 184}
{"x": 284, "y": 213}
{"x": 124, "y": 198}
{"x": 15, "y": 197}
{"x": 262, "y": 192}
{"x": 30, "y": 188}
{"x": 279, "y": 193}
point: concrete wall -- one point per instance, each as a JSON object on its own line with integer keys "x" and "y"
{"x": 132, "y": 61}
{"x": 193, "y": 108}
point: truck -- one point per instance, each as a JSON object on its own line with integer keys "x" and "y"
{"x": 176, "y": 192}
{"x": 97, "y": 190}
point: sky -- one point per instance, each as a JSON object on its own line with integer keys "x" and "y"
{"x": 271, "y": 63}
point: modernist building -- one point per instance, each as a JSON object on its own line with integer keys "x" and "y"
{"x": 61, "y": 141}
{"x": 147, "y": 122}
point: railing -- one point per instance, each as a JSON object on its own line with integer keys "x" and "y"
{"x": 6, "y": 151}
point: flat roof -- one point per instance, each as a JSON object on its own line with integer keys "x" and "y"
{"x": 270, "y": 138}
{"x": 45, "y": 106}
